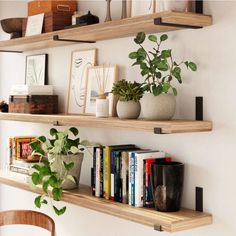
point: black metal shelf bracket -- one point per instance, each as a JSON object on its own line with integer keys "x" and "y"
{"x": 56, "y": 123}
{"x": 199, "y": 108}
{"x": 158, "y": 21}
{"x": 199, "y": 199}
{"x": 56, "y": 38}
{"x": 158, "y": 228}
{"x": 9, "y": 51}
{"x": 157, "y": 130}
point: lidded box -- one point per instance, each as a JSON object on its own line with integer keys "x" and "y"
{"x": 33, "y": 104}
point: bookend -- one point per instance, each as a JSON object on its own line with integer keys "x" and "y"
{"x": 56, "y": 38}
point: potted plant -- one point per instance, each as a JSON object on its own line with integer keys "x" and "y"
{"x": 60, "y": 166}
{"x": 160, "y": 70}
{"x": 129, "y": 94}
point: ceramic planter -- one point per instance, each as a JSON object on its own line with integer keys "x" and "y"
{"x": 128, "y": 110}
{"x": 160, "y": 107}
{"x": 58, "y": 167}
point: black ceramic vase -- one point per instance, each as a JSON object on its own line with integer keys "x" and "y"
{"x": 167, "y": 185}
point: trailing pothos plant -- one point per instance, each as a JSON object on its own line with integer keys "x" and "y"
{"x": 127, "y": 91}
{"x": 43, "y": 175}
{"x": 158, "y": 66}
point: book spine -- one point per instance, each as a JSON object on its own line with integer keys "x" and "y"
{"x": 101, "y": 173}
{"x": 93, "y": 177}
{"x": 98, "y": 163}
{"x": 118, "y": 197}
{"x": 20, "y": 170}
{"x": 112, "y": 175}
{"x": 131, "y": 179}
{"x": 107, "y": 173}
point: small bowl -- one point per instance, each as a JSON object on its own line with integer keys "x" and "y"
{"x": 13, "y": 26}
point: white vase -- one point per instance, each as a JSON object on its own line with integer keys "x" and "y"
{"x": 58, "y": 166}
{"x": 102, "y": 107}
{"x": 160, "y": 107}
{"x": 128, "y": 110}
{"x": 173, "y": 5}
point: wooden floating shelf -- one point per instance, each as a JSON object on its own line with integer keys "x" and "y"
{"x": 164, "y": 127}
{"x": 171, "y": 222}
{"x": 109, "y": 30}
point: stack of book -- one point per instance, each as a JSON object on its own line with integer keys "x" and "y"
{"x": 121, "y": 173}
{"x": 24, "y": 90}
{"x": 20, "y": 159}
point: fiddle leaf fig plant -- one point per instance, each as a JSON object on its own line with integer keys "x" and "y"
{"x": 158, "y": 65}
{"x": 46, "y": 177}
{"x": 127, "y": 91}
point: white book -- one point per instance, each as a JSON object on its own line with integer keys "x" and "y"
{"x": 138, "y": 176}
{"x": 125, "y": 175}
{"x": 98, "y": 165}
{"x": 24, "y": 89}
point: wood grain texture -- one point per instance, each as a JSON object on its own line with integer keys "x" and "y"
{"x": 167, "y": 127}
{"x": 171, "y": 222}
{"x": 27, "y": 217}
{"x": 108, "y": 30}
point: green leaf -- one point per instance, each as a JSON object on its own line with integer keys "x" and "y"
{"x": 158, "y": 75}
{"x": 68, "y": 166}
{"x": 164, "y": 37}
{"x": 37, "y": 201}
{"x": 53, "y": 131}
{"x": 186, "y": 63}
{"x": 177, "y": 73}
{"x": 165, "y": 87}
{"x": 152, "y": 38}
{"x": 53, "y": 181}
{"x": 74, "y": 131}
{"x": 192, "y": 66}
{"x": 144, "y": 72}
{"x": 44, "y": 171}
{"x": 57, "y": 193}
{"x": 140, "y": 38}
{"x": 133, "y": 55}
{"x": 35, "y": 178}
{"x": 45, "y": 186}
{"x": 174, "y": 91}
{"x": 36, "y": 167}
{"x": 143, "y": 66}
{"x": 44, "y": 201}
{"x": 72, "y": 178}
{"x": 59, "y": 211}
{"x": 42, "y": 139}
{"x": 157, "y": 90}
{"x": 162, "y": 66}
{"x": 166, "y": 53}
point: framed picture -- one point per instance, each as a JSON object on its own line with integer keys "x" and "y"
{"x": 110, "y": 75}
{"x": 80, "y": 62}
{"x": 34, "y": 24}
{"x": 36, "y": 69}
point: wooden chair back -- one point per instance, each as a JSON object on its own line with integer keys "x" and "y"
{"x": 27, "y": 217}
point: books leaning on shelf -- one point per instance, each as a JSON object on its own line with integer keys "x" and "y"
{"x": 120, "y": 173}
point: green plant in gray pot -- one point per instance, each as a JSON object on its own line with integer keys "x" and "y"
{"x": 160, "y": 70}
{"x": 60, "y": 166}
{"x": 129, "y": 94}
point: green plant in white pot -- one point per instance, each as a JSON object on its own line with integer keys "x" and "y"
{"x": 60, "y": 167}
{"x": 129, "y": 94}
{"x": 160, "y": 70}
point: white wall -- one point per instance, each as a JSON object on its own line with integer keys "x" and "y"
{"x": 209, "y": 157}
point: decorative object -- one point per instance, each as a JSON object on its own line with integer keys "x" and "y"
{"x": 34, "y": 25}
{"x": 3, "y": 106}
{"x": 102, "y": 107}
{"x": 34, "y": 104}
{"x": 12, "y": 26}
{"x": 167, "y": 185}
{"x": 107, "y": 75}
{"x": 159, "y": 69}
{"x": 174, "y": 5}
{"x": 129, "y": 94}
{"x": 124, "y": 10}
{"x": 87, "y": 19}
{"x": 129, "y": 7}
{"x": 36, "y": 69}
{"x": 143, "y": 7}
{"x": 108, "y": 15}
{"x": 80, "y": 61}
{"x": 61, "y": 166}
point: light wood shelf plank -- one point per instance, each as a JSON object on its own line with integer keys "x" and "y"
{"x": 171, "y": 222}
{"x": 167, "y": 127}
{"x": 108, "y": 30}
